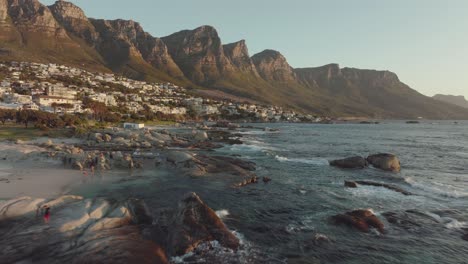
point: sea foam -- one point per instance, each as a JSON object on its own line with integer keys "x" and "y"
{"x": 316, "y": 161}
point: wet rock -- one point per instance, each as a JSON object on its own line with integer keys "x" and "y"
{"x": 225, "y": 137}
{"x": 195, "y": 223}
{"x": 404, "y": 220}
{"x": 206, "y": 145}
{"x": 176, "y": 157}
{"x": 248, "y": 181}
{"x": 385, "y": 161}
{"x": 465, "y": 237}
{"x": 140, "y": 212}
{"x": 356, "y": 162}
{"x": 266, "y": 179}
{"x": 200, "y": 136}
{"x": 384, "y": 185}
{"x": 362, "y": 220}
{"x": 221, "y": 164}
{"x": 350, "y": 184}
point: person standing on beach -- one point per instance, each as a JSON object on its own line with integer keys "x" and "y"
{"x": 46, "y": 214}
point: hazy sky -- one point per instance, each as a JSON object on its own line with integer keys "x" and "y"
{"x": 424, "y": 41}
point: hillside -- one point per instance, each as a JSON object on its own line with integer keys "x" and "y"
{"x": 452, "y": 99}
{"x": 198, "y": 58}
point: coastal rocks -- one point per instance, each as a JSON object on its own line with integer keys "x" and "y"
{"x": 354, "y": 184}
{"x": 107, "y": 138}
{"x": 97, "y": 137}
{"x": 195, "y": 223}
{"x": 77, "y": 166}
{"x": 266, "y": 179}
{"x": 200, "y": 136}
{"x": 206, "y": 145}
{"x": 350, "y": 184}
{"x": 79, "y": 231}
{"x": 384, "y": 161}
{"x": 356, "y": 162}
{"x": 465, "y": 237}
{"x": 221, "y": 164}
{"x": 252, "y": 180}
{"x": 225, "y": 137}
{"x": 362, "y": 220}
{"x": 176, "y": 157}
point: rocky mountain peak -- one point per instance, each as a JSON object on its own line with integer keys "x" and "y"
{"x": 236, "y": 49}
{"x": 67, "y": 10}
{"x": 238, "y": 54}
{"x": 125, "y": 29}
{"x": 30, "y": 12}
{"x": 273, "y": 66}
{"x": 382, "y": 77}
{"x": 199, "y": 53}
{"x": 74, "y": 20}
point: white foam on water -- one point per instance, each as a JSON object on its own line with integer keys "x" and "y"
{"x": 251, "y": 145}
{"x": 215, "y": 248}
{"x": 316, "y": 161}
{"x": 449, "y": 222}
{"x": 222, "y": 213}
{"x": 253, "y": 132}
{"x": 438, "y": 188}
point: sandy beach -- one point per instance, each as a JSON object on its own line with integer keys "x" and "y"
{"x": 22, "y": 173}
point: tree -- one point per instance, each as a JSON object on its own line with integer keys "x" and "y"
{"x": 25, "y": 116}
{"x": 6, "y": 114}
{"x": 99, "y": 109}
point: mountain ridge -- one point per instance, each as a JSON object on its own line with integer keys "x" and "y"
{"x": 458, "y": 100}
{"x": 198, "y": 58}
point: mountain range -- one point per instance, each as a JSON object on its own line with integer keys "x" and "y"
{"x": 198, "y": 60}
{"x": 452, "y": 99}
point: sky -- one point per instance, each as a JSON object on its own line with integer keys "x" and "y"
{"x": 424, "y": 41}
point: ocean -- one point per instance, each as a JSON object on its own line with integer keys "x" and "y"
{"x": 287, "y": 220}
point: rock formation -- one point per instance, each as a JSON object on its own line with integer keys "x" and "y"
{"x": 356, "y": 162}
{"x": 195, "y": 223}
{"x": 384, "y": 161}
{"x": 362, "y": 220}
{"x": 273, "y": 66}
{"x": 61, "y": 33}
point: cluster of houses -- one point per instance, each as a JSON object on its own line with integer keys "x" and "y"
{"x": 62, "y": 89}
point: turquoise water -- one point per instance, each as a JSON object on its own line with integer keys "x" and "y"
{"x": 280, "y": 221}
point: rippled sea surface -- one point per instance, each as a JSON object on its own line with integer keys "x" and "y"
{"x": 286, "y": 221}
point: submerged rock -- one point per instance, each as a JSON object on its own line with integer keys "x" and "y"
{"x": 384, "y": 185}
{"x": 465, "y": 237}
{"x": 356, "y": 162}
{"x": 350, "y": 184}
{"x": 362, "y": 220}
{"x": 385, "y": 161}
{"x": 266, "y": 179}
{"x": 195, "y": 223}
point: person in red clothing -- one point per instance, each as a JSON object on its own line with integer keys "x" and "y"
{"x": 46, "y": 214}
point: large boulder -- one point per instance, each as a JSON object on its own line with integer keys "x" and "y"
{"x": 176, "y": 157}
{"x": 98, "y": 137}
{"x": 356, "y": 162}
{"x": 79, "y": 231}
{"x": 385, "y": 161}
{"x": 200, "y": 136}
{"x": 196, "y": 223}
{"x": 362, "y": 220}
